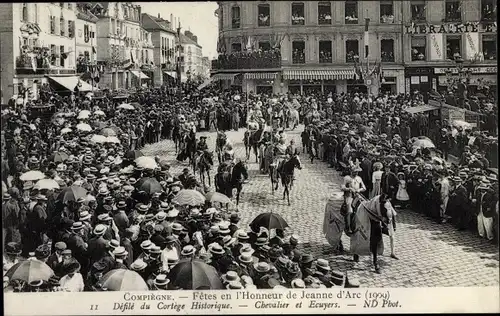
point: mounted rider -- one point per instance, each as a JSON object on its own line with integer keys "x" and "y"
{"x": 280, "y": 155}
{"x": 228, "y": 155}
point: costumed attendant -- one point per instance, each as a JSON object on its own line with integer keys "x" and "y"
{"x": 376, "y": 179}
{"x": 391, "y": 225}
{"x": 402, "y": 196}
{"x": 352, "y": 185}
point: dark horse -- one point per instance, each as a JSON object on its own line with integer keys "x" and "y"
{"x": 226, "y": 179}
{"x": 203, "y": 163}
{"x": 176, "y": 135}
{"x": 188, "y": 145}
{"x": 286, "y": 173}
{"x": 220, "y": 142}
{"x": 251, "y": 140}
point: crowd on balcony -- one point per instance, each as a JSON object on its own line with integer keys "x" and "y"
{"x": 298, "y": 56}
{"x": 325, "y": 18}
{"x": 264, "y": 20}
{"x": 351, "y": 56}
{"x": 298, "y": 19}
{"x": 387, "y": 56}
{"x": 250, "y": 59}
{"x": 325, "y": 56}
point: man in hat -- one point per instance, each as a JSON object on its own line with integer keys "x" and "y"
{"x": 11, "y": 257}
{"x": 459, "y": 201}
{"x": 10, "y": 219}
{"x": 78, "y": 246}
{"x": 120, "y": 255}
{"x": 97, "y": 244}
{"x": 160, "y": 283}
{"x": 485, "y": 202}
{"x": 234, "y": 220}
{"x": 55, "y": 260}
{"x": 171, "y": 251}
{"x": 120, "y": 218}
{"x": 35, "y": 224}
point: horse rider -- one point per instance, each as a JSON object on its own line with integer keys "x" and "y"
{"x": 228, "y": 153}
{"x": 201, "y": 147}
{"x": 280, "y": 154}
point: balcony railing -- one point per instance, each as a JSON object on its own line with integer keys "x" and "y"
{"x": 248, "y": 61}
{"x": 44, "y": 71}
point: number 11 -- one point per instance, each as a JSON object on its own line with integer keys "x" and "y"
{"x": 94, "y": 307}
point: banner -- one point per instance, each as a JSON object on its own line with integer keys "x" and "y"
{"x": 472, "y": 45}
{"x": 437, "y": 47}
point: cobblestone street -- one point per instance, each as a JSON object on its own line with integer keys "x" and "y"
{"x": 429, "y": 254}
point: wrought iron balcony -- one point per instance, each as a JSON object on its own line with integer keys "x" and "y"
{"x": 262, "y": 60}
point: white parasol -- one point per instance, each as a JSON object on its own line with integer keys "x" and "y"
{"x": 32, "y": 175}
{"x": 112, "y": 139}
{"x": 99, "y": 113}
{"x": 84, "y": 127}
{"x": 98, "y": 139}
{"x": 84, "y": 114}
{"x": 461, "y": 123}
{"x": 126, "y": 106}
{"x": 146, "y": 162}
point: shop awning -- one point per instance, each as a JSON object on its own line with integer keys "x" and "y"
{"x": 421, "y": 108}
{"x": 171, "y": 74}
{"x": 328, "y": 74}
{"x": 139, "y": 74}
{"x": 261, "y": 75}
{"x": 71, "y": 82}
{"x": 224, "y": 76}
{"x": 205, "y": 83}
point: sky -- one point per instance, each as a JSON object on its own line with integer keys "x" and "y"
{"x": 197, "y": 17}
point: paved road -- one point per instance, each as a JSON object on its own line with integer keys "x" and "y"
{"x": 430, "y": 254}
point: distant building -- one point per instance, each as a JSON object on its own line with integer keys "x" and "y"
{"x": 86, "y": 42}
{"x": 191, "y": 56}
{"x": 205, "y": 68}
{"x": 163, "y": 37}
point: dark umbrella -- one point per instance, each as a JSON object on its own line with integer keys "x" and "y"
{"x": 72, "y": 193}
{"x": 58, "y": 156}
{"x": 149, "y": 185}
{"x": 268, "y": 221}
{"x": 134, "y": 154}
{"x": 493, "y": 170}
{"x": 194, "y": 274}
{"x": 481, "y": 96}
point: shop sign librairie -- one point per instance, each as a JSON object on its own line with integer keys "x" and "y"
{"x": 451, "y": 28}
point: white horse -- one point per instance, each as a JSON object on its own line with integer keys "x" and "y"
{"x": 293, "y": 118}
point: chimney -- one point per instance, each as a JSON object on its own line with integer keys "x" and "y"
{"x": 158, "y": 15}
{"x": 171, "y": 18}
{"x": 179, "y": 22}
{"x": 173, "y": 23}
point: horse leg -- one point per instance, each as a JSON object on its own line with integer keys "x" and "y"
{"x": 287, "y": 194}
{"x": 208, "y": 175}
{"x": 256, "y": 153}
{"x": 238, "y": 191}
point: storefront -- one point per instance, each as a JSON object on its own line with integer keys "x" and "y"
{"x": 481, "y": 79}
{"x": 356, "y": 86}
{"x": 419, "y": 79}
{"x": 259, "y": 81}
{"x": 303, "y": 81}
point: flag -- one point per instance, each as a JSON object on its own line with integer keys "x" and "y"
{"x": 94, "y": 51}
{"x": 132, "y": 57}
{"x": 33, "y": 62}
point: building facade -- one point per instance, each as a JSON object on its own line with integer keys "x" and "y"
{"x": 163, "y": 37}
{"x": 120, "y": 40}
{"x": 319, "y": 43}
{"x": 37, "y": 48}
{"x": 447, "y": 39}
{"x": 86, "y": 42}
{"x": 206, "y": 67}
{"x": 190, "y": 56}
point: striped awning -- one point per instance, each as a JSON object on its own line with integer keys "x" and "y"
{"x": 224, "y": 76}
{"x": 261, "y": 75}
{"x": 318, "y": 74}
{"x": 421, "y": 108}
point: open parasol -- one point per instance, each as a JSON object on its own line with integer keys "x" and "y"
{"x": 32, "y": 175}
{"x": 126, "y": 106}
{"x": 269, "y": 221}
{"x": 72, "y": 193}
{"x": 84, "y": 114}
{"x": 461, "y": 123}
{"x": 189, "y": 197}
{"x": 29, "y": 271}
{"x": 84, "y": 127}
{"x": 108, "y": 132}
{"x": 146, "y": 162}
{"x": 48, "y": 184}
{"x": 217, "y": 197}
{"x": 58, "y": 156}
{"x": 112, "y": 139}
{"x": 123, "y": 280}
{"x": 99, "y": 113}
{"x": 194, "y": 274}
{"x": 98, "y": 139}
{"x": 66, "y": 130}
{"x": 423, "y": 142}
{"x": 149, "y": 185}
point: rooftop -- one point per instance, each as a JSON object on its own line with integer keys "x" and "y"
{"x": 187, "y": 40}
{"x": 152, "y": 23}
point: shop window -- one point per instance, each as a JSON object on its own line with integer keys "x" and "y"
{"x": 235, "y": 17}
{"x": 324, "y": 13}
{"x": 298, "y": 52}
{"x": 71, "y": 29}
{"x": 490, "y": 47}
{"x": 236, "y": 47}
{"x": 298, "y": 17}
{"x": 325, "y": 51}
{"x": 352, "y": 51}
{"x": 453, "y": 11}
{"x": 264, "y": 46}
{"x": 52, "y": 25}
{"x": 351, "y": 12}
{"x": 488, "y": 10}
{"x": 418, "y": 9}
{"x": 264, "y": 15}
{"x": 453, "y": 47}
{"x": 418, "y": 48}
{"x": 24, "y": 12}
{"x": 53, "y": 52}
{"x": 386, "y": 12}
{"x": 387, "y": 50}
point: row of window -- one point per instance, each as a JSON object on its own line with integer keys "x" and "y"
{"x": 418, "y": 8}
{"x": 453, "y": 47}
{"x": 63, "y": 28}
{"x": 325, "y": 48}
{"x": 418, "y": 49}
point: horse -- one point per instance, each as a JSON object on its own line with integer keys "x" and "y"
{"x": 239, "y": 175}
{"x": 293, "y": 118}
{"x": 203, "y": 163}
{"x": 251, "y": 141}
{"x": 286, "y": 173}
{"x": 176, "y": 135}
{"x": 220, "y": 142}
